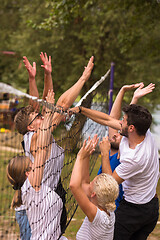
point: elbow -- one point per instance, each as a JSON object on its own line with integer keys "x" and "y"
{"x": 73, "y": 186}
{"x": 63, "y": 103}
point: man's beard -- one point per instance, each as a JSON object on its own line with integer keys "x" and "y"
{"x": 124, "y": 132}
{"x": 114, "y": 145}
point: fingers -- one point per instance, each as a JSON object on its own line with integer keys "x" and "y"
{"x": 90, "y": 146}
{"x": 140, "y": 85}
{"x": 105, "y": 140}
{"x": 90, "y": 63}
{"x": 34, "y": 64}
{"x": 50, "y": 96}
{"x": 151, "y": 86}
{"x": 95, "y": 140}
{"x": 42, "y": 57}
{"x": 45, "y": 54}
{"x": 25, "y": 60}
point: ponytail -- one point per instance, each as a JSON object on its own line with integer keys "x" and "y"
{"x": 16, "y": 176}
{"x": 17, "y": 199}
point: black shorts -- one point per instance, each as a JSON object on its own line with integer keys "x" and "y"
{"x": 61, "y": 192}
{"x": 135, "y": 221}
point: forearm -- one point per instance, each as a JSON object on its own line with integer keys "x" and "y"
{"x": 43, "y": 140}
{"x": 68, "y": 97}
{"x": 134, "y": 100}
{"x": 48, "y": 84}
{"x": 76, "y": 177}
{"x": 36, "y": 175}
{"x": 106, "y": 167}
{"x": 116, "y": 108}
{"x": 33, "y": 91}
{"x": 44, "y": 132}
{"x": 85, "y": 172}
{"x": 100, "y": 117}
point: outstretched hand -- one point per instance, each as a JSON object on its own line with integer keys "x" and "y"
{"x": 140, "y": 92}
{"x": 88, "y": 147}
{"x": 87, "y": 72}
{"x": 132, "y": 86}
{"x": 31, "y": 70}
{"x": 46, "y": 63}
{"x": 50, "y": 97}
{"x": 104, "y": 145}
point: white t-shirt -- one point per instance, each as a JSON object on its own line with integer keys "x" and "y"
{"x": 101, "y": 228}
{"x": 44, "y": 209}
{"x": 140, "y": 169}
{"x": 54, "y": 164}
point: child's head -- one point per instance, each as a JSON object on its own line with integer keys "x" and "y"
{"x": 107, "y": 190}
{"x": 27, "y": 120}
{"x": 22, "y": 119}
{"x": 16, "y": 173}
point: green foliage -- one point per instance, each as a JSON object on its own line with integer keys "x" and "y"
{"x": 124, "y": 32}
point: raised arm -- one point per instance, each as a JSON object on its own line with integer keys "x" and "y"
{"x": 85, "y": 172}
{"x": 99, "y": 117}
{"x": 68, "y": 98}
{"x": 43, "y": 140}
{"x": 48, "y": 84}
{"x": 80, "y": 195}
{"x": 117, "y": 105}
{"x": 141, "y": 92}
{"x": 116, "y": 108}
{"x": 33, "y": 91}
{"x": 104, "y": 146}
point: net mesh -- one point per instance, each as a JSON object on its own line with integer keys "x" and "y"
{"x": 66, "y": 143}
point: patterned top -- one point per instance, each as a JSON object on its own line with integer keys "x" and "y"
{"x": 101, "y": 228}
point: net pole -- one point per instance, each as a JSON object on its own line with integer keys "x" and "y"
{"x": 111, "y": 87}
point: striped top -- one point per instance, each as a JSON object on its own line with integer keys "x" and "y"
{"x": 44, "y": 209}
{"x": 101, "y": 228}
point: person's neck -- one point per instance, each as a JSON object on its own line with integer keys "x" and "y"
{"x": 113, "y": 151}
{"x": 105, "y": 210}
{"x": 134, "y": 140}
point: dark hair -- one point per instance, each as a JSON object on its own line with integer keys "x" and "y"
{"x": 138, "y": 116}
{"x": 22, "y": 119}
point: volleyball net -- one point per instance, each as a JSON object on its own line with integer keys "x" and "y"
{"x": 67, "y": 140}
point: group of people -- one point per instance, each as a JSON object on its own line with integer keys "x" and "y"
{"x": 121, "y": 202}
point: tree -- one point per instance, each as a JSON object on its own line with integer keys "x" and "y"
{"x": 125, "y": 32}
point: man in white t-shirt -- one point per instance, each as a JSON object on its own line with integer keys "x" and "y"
{"x": 138, "y": 171}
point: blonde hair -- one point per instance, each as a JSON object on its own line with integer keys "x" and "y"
{"x": 107, "y": 190}
{"x": 16, "y": 170}
{"x": 22, "y": 119}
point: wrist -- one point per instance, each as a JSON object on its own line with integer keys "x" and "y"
{"x": 123, "y": 89}
{"x": 105, "y": 154}
{"x": 80, "y": 109}
{"x": 134, "y": 100}
{"x": 31, "y": 78}
{"x": 47, "y": 73}
{"x": 83, "y": 79}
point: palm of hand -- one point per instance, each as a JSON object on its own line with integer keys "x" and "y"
{"x": 47, "y": 67}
